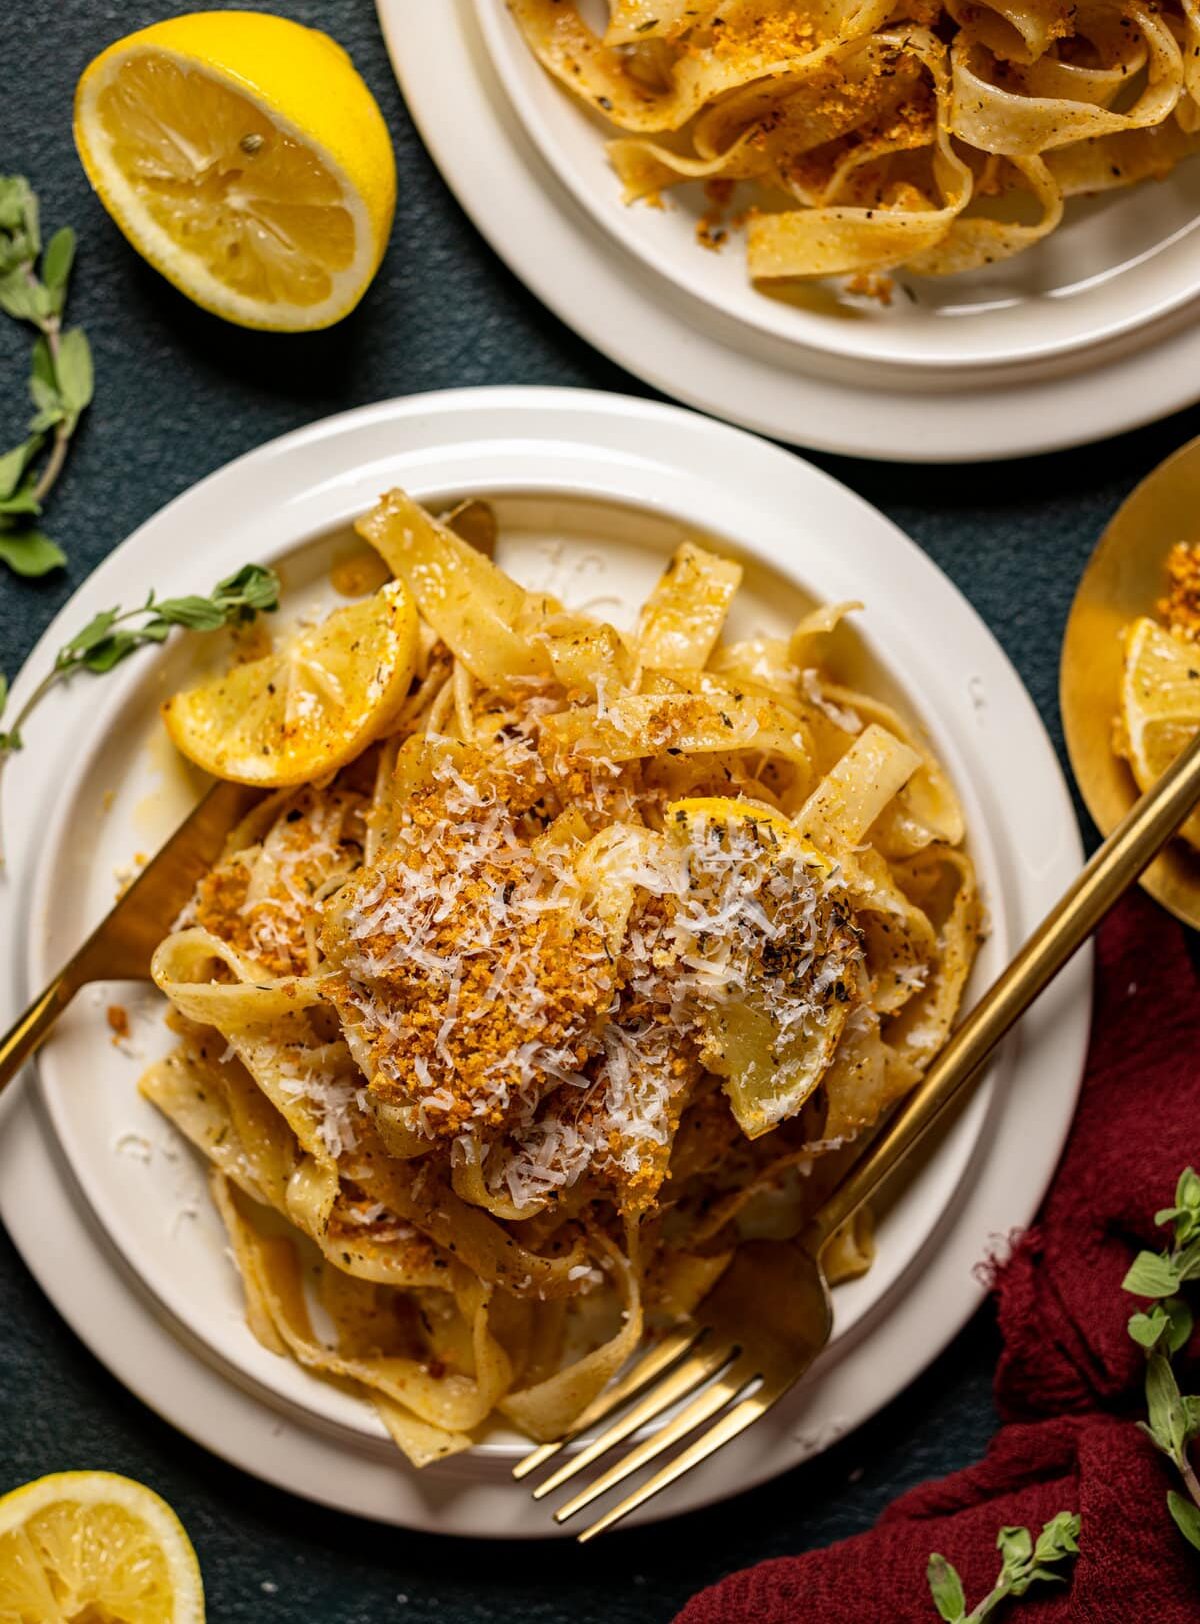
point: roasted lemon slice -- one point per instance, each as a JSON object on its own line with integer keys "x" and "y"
{"x": 776, "y": 954}
{"x": 724, "y": 811}
{"x": 91, "y": 1545}
{"x": 242, "y": 155}
{"x": 1160, "y": 705}
{"x": 310, "y": 706}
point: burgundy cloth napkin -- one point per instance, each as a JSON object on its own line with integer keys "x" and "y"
{"x": 1069, "y": 1379}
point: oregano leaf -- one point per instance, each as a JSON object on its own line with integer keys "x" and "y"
{"x": 1186, "y": 1516}
{"x": 56, "y": 265}
{"x": 14, "y": 463}
{"x": 946, "y": 1588}
{"x": 30, "y": 553}
{"x": 1151, "y": 1275}
{"x": 73, "y": 369}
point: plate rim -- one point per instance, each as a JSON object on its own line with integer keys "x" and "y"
{"x": 679, "y": 347}
{"x": 1068, "y": 1024}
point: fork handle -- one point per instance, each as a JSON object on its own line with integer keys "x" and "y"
{"x": 33, "y": 1027}
{"x": 1131, "y": 847}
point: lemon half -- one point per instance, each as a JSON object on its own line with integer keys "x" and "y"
{"x": 244, "y": 157}
{"x": 1160, "y": 705}
{"x": 93, "y": 1545}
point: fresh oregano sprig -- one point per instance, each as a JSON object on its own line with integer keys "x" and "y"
{"x": 114, "y": 634}
{"x": 1023, "y": 1562}
{"x": 1163, "y": 1329}
{"x": 60, "y": 382}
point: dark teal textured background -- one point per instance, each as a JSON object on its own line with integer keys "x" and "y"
{"x": 177, "y": 395}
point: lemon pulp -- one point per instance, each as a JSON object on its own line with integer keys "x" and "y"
{"x": 94, "y": 1548}
{"x": 262, "y": 211}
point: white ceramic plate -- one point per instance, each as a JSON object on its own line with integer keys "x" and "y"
{"x": 1117, "y": 263}
{"x": 1140, "y": 362}
{"x": 592, "y": 492}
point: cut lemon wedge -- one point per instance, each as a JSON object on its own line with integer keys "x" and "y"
{"x": 786, "y": 985}
{"x": 1160, "y": 705}
{"x": 242, "y": 155}
{"x": 310, "y": 706}
{"x": 725, "y": 810}
{"x": 91, "y": 1545}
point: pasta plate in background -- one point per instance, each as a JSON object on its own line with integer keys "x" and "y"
{"x": 559, "y": 960}
{"x": 877, "y": 134}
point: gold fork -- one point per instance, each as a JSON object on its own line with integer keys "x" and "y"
{"x": 769, "y": 1316}
{"x": 122, "y": 945}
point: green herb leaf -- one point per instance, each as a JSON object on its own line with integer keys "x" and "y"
{"x": 1186, "y": 1515}
{"x": 1033, "y": 1575}
{"x": 109, "y": 651}
{"x": 22, "y": 299}
{"x": 1168, "y": 1322}
{"x": 1059, "y": 1538}
{"x": 73, "y": 370}
{"x": 946, "y": 1586}
{"x": 96, "y": 630}
{"x": 1152, "y": 1275}
{"x": 1181, "y": 1323}
{"x": 1149, "y": 1329}
{"x": 21, "y": 501}
{"x": 29, "y": 552}
{"x": 254, "y": 588}
{"x": 56, "y": 265}
{"x": 45, "y": 396}
{"x": 14, "y": 463}
{"x": 13, "y": 191}
{"x": 1015, "y": 1546}
{"x": 41, "y": 363}
{"x": 1168, "y": 1422}
{"x": 196, "y": 613}
{"x": 47, "y": 419}
{"x": 1187, "y": 1259}
{"x": 30, "y": 219}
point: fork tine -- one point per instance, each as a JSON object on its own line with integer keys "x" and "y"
{"x": 708, "y": 1403}
{"x": 654, "y": 1360}
{"x": 723, "y": 1430}
{"x": 705, "y": 1362}
{"x": 531, "y": 1462}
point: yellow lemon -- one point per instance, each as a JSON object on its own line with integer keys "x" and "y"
{"x": 1160, "y": 705}
{"x": 774, "y": 829}
{"x": 244, "y": 157}
{"x": 770, "y": 1064}
{"x": 308, "y": 707}
{"x": 93, "y": 1545}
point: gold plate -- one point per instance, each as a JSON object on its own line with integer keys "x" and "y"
{"x": 1124, "y": 579}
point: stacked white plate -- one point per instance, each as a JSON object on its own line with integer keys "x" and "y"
{"x": 1089, "y": 333}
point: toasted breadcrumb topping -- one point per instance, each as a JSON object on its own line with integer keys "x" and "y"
{"x": 464, "y": 959}
{"x": 264, "y": 900}
{"x": 1179, "y": 608}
